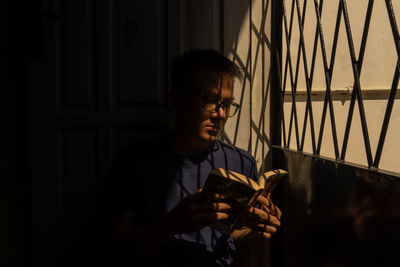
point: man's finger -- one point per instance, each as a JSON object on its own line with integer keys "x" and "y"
{"x": 264, "y": 200}
{"x": 266, "y": 217}
{"x": 269, "y": 206}
{"x": 211, "y": 207}
{"x": 273, "y": 210}
{"x": 207, "y": 218}
{"x": 265, "y": 228}
{"x": 210, "y": 196}
{"x": 265, "y": 234}
{"x": 276, "y": 211}
{"x": 221, "y": 206}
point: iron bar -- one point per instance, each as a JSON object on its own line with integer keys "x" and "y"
{"x": 315, "y": 47}
{"x": 276, "y": 104}
{"x": 307, "y": 78}
{"x": 250, "y": 144}
{"x": 395, "y": 83}
{"x": 290, "y": 125}
{"x": 341, "y": 95}
{"x": 308, "y": 86}
{"x": 300, "y": 21}
{"x": 333, "y": 56}
{"x": 281, "y": 94}
{"x": 359, "y": 65}
{"x": 357, "y": 87}
{"x": 314, "y": 56}
{"x": 299, "y": 51}
{"x": 290, "y": 36}
{"x": 328, "y": 81}
{"x": 294, "y": 111}
{"x": 388, "y": 113}
{"x": 393, "y": 25}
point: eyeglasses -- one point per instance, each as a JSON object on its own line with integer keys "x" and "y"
{"x": 211, "y": 104}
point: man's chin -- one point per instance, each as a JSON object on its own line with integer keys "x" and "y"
{"x": 210, "y": 137}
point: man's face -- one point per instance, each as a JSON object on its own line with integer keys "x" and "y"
{"x": 199, "y": 122}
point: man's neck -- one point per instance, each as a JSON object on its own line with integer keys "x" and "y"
{"x": 187, "y": 145}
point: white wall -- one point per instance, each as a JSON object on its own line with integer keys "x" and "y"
{"x": 376, "y": 75}
{"x": 245, "y": 42}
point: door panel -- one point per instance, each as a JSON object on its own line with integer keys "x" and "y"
{"x": 75, "y": 52}
{"x": 139, "y": 44}
{"x": 77, "y": 182}
{"x": 99, "y": 86}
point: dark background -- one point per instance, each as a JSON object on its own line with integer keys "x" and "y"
{"x": 79, "y": 80}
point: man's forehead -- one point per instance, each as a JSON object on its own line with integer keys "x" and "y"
{"x": 218, "y": 92}
{"x": 207, "y": 81}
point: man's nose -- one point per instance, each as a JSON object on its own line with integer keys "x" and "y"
{"x": 221, "y": 112}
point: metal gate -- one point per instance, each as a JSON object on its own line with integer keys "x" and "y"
{"x": 337, "y": 212}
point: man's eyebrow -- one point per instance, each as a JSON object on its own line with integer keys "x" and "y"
{"x": 217, "y": 96}
{"x": 230, "y": 99}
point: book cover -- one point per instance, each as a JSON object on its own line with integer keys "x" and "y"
{"x": 241, "y": 190}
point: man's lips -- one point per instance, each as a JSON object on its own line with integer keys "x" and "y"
{"x": 214, "y": 128}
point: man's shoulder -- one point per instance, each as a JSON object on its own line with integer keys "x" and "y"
{"x": 236, "y": 159}
{"x": 232, "y": 149}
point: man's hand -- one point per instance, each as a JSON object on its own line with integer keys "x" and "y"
{"x": 263, "y": 220}
{"x": 197, "y": 211}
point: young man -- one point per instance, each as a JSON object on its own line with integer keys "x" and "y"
{"x": 160, "y": 215}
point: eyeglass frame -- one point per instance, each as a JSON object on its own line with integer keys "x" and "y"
{"x": 218, "y": 105}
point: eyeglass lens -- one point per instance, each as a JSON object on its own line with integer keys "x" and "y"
{"x": 229, "y": 108}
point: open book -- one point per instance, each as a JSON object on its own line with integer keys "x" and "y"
{"x": 241, "y": 189}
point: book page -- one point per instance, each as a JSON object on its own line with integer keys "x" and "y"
{"x": 270, "y": 179}
{"x": 237, "y": 177}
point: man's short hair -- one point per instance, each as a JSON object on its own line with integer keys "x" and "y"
{"x": 211, "y": 61}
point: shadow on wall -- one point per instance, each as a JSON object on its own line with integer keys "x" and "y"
{"x": 246, "y": 41}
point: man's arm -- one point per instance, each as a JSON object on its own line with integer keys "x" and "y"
{"x": 190, "y": 215}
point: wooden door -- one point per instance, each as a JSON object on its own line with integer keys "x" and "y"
{"x": 100, "y": 84}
